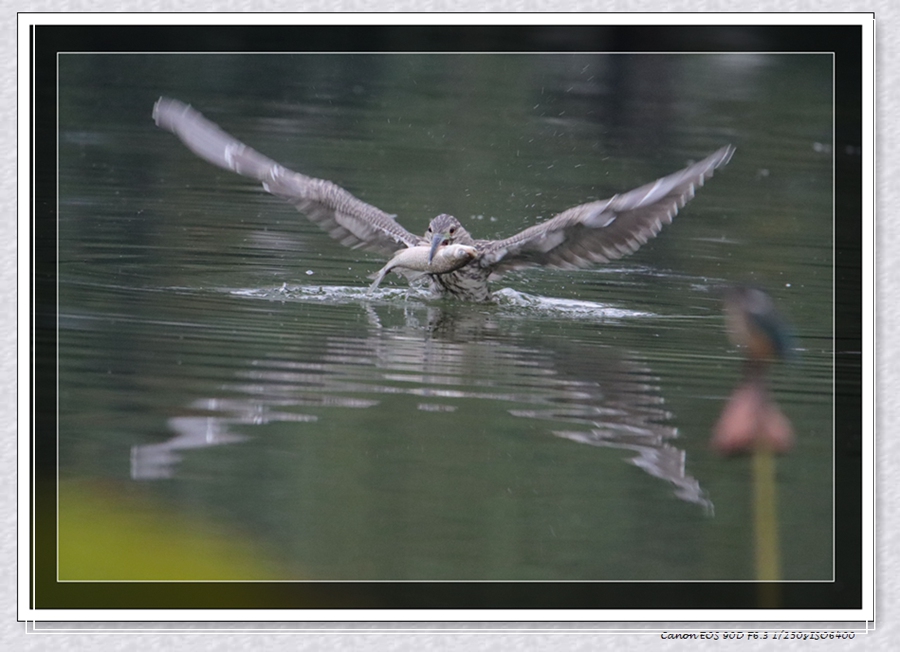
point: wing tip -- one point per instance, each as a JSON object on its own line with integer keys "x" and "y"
{"x": 723, "y": 155}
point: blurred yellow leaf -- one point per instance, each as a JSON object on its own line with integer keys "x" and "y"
{"x": 105, "y": 534}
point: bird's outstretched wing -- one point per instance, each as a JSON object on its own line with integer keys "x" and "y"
{"x": 347, "y": 219}
{"x": 602, "y": 230}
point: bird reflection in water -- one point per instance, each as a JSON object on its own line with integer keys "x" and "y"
{"x": 751, "y": 419}
{"x": 603, "y": 397}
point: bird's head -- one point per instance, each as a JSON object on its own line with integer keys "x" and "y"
{"x": 444, "y": 230}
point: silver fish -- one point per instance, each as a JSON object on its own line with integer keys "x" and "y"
{"x": 413, "y": 262}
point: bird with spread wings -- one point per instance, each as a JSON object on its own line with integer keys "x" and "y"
{"x": 595, "y": 232}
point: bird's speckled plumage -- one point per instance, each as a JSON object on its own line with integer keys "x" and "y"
{"x": 596, "y": 232}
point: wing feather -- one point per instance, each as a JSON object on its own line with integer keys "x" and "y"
{"x": 345, "y": 218}
{"x": 603, "y": 230}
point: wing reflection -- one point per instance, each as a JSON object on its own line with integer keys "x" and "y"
{"x": 207, "y": 424}
{"x": 617, "y": 404}
{"x": 586, "y": 394}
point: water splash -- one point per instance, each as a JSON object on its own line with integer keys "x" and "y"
{"x": 334, "y": 294}
{"x": 570, "y": 308}
{"x": 505, "y": 299}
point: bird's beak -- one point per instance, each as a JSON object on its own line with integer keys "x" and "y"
{"x": 436, "y": 241}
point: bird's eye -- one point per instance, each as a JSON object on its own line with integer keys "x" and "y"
{"x": 452, "y": 230}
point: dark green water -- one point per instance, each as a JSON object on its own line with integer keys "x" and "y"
{"x": 219, "y": 356}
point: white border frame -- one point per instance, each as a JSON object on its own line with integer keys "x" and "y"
{"x": 26, "y": 308}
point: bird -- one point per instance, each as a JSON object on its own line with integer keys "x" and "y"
{"x": 751, "y": 419}
{"x": 587, "y": 234}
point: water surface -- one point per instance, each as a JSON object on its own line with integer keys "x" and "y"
{"x": 220, "y": 357}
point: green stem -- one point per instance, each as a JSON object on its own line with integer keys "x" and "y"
{"x": 768, "y": 567}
